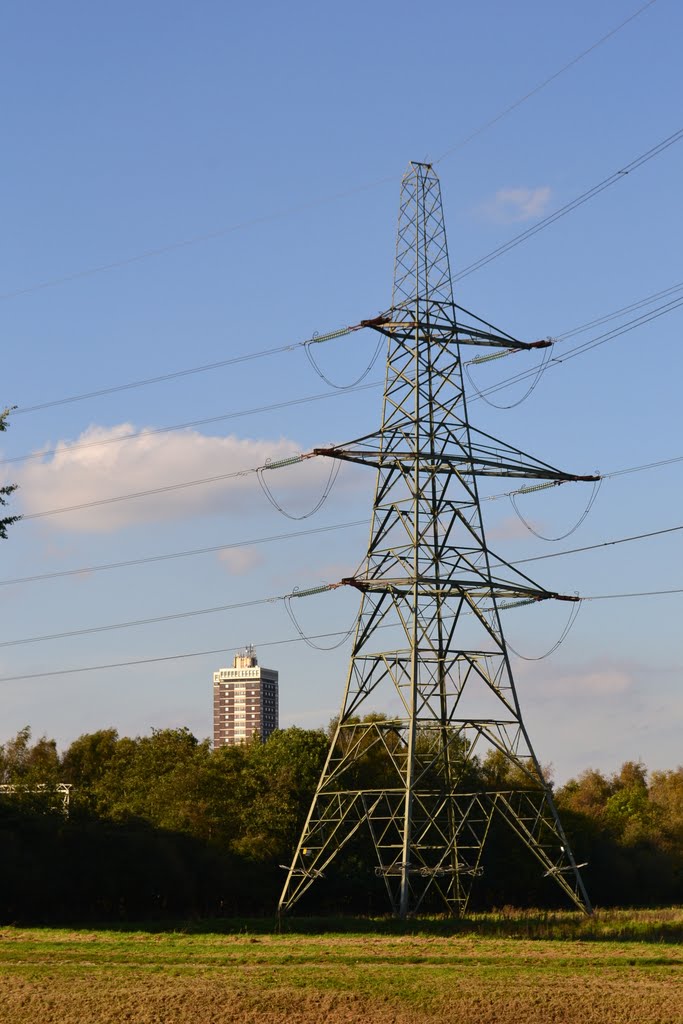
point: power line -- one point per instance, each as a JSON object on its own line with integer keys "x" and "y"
{"x": 139, "y": 494}
{"x": 186, "y": 243}
{"x": 641, "y": 593}
{"x": 195, "y": 612}
{"x": 189, "y": 552}
{"x": 164, "y": 657}
{"x": 640, "y": 469}
{"x": 595, "y": 190}
{"x": 586, "y": 346}
{"x": 174, "y": 616}
{"x": 186, "y": 372}
{"x": 645, "y": 318}
{"x": 203, "y": 368}
{"x": 647, "y": 300}
{"x": 555, "y": 361}
{"x": 301, "y": 207}
{"x": 189, "y": 424}
{"x": 594, "y": 547}
{"x": 603, "y": 476}
{"x": 541, "y": 85}
{"x": 266, "y": 643}
{"x": 255, "y": 470}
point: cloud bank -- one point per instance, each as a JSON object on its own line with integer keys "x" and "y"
{"x": 74, "y": 476}
{"x": 516, "y": 205}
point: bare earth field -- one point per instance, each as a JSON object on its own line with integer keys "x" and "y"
{"x": 51, "y": 975}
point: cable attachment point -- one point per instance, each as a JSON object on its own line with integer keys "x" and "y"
{"x": 376, "y": 321}
{"x": 543, "y": 343}
{"x": 353, "y": 581}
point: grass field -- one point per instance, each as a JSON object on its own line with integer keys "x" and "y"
{"x": 506, "y": 968}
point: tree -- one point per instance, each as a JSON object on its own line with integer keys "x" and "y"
{"x": 25, "y": 764}
{"x": 8, "y": 489}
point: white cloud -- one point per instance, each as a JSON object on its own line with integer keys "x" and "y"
{"x": 601, "y": 682}
{"x": 514, "y": 205}
{"x": 511, "y": 528}
{"x": 601, "y": 678}
{"x": 76, "y": 475}
{"x": 239, "y": 561}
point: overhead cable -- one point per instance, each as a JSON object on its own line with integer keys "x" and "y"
{"x": 263, "y": 353}
{"x": 615, "y": 314}
{"x": 190, "y": 552}
{"x": 186, "y": 372}
{"x": 573, "y": 614}
{"x": 254, "y": 469}
{"x": 254, "y": 541}
{"x": 276, "y": 599}
{"x": 139, "y": 494}
{"x": 186, "y": 243}
{"x": 541, "y": 85}
{"x": 591, "y": 501}
{"x": 313, "y": 204}
{"x": 590, "y": 193}
{"x": 592, "y": 547}
{"x": 601, "y": 339}
{"x": 335, "y": 467}
{"x": 163, "y": 657}
{"x": 174, "y": 616}
{"x": 639, "y": 593}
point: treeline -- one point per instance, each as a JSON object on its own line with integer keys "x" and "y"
{"x": 164, "y": 826}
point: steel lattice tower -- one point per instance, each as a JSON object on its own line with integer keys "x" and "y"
{"x": 429, "y": 640}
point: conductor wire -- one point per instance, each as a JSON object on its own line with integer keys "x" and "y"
{"x": 575, "y": 527}
{"x": 334, "y": 473}
{"x": 575, "y": 609}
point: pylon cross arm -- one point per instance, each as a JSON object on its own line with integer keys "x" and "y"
{"x": 475, "y": 463}
{"x": 445, "y": 327}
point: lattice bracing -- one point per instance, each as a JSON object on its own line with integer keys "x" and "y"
{"x": 429, "y": 657}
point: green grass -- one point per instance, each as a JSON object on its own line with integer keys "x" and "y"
{"x": 500, "y": 968}
{"x": 663, "y": 924}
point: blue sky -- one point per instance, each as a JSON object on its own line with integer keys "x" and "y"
{"x": 272, "y": 139}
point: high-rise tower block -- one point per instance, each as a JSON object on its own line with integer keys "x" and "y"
{"x": 245, "y": 700}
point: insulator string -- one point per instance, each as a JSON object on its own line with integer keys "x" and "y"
{"x": 334, "y": 473}
{"x": 542, "y": 366}
{"x": 575, "y": 527}
{"x": 576, "y": 607}
{"x": 340, "y": 387}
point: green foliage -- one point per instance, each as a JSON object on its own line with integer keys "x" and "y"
{"x": 161, "y": 825}
{"x": 7, "y": 489}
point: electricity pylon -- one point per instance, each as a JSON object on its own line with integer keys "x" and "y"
{"x": 429, "y": 647}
